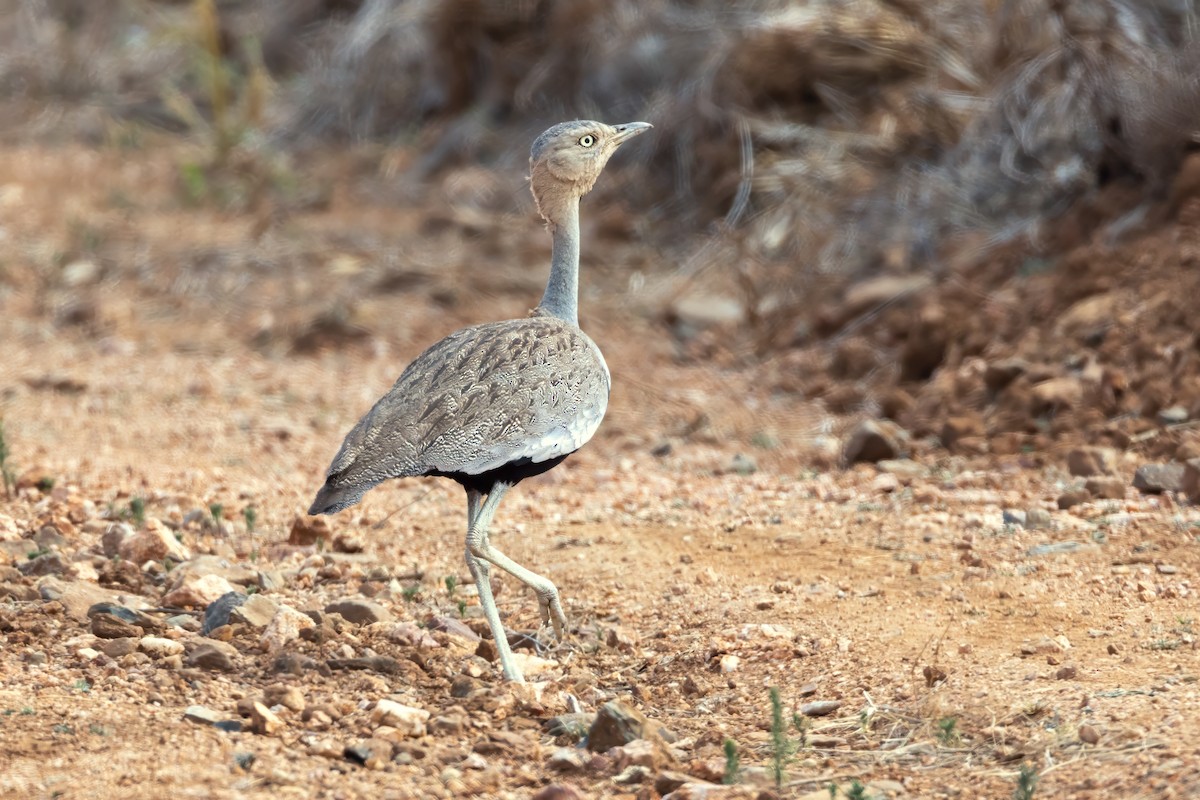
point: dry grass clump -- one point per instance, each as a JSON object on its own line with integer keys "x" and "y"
{"x": 839, "y": 136}
{"x": 843, "y": 133}
{"x": 70, "y": 68}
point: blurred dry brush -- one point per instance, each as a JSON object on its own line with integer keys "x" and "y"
{"x": 818, "y": 140}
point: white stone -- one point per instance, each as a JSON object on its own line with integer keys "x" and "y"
{"x": 533, "y": 665}
{"x": 197, "y": 591}
{"x": 152, "y": 543}
{"x": 283, "y": 628}
{"x": 85, "y": 571}
{"x": 158, "y": 647}
{"x": 257, "y": 611}
{"x": 406, "y": 720}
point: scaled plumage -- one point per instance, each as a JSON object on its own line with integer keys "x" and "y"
{"x": 481, "y": 398}
{"x": 495, "y": 403}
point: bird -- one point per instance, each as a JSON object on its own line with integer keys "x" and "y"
{"x": 495, "y": 403}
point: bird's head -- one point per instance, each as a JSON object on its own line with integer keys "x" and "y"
{"x": 565, "y": 161}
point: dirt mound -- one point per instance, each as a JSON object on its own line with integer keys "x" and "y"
{"x": 1032, "y": 349}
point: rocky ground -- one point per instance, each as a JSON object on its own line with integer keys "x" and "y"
{"x": 987, "y": 591}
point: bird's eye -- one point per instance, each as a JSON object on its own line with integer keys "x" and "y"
{"x": 588, "y": 140}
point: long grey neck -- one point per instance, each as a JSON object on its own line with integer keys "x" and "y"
{"x": 562, "y": 290}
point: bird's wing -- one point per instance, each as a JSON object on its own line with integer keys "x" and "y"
{"x": 485, "y": 396}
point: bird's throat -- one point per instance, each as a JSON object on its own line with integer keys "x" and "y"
{"x": 561, "y": 299}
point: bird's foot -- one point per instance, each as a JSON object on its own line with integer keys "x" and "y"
{"x": 551, "y": 609}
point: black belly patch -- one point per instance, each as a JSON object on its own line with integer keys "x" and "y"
{"x": 510, "y": 473}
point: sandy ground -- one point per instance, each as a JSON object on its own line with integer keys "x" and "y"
{"x": 956, "y": 625}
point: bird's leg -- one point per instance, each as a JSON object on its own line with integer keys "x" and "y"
{"x": 480, "y": 546}
{"x": 481, "y": 572}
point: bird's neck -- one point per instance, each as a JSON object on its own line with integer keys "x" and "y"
{"x": 561, "y": 299}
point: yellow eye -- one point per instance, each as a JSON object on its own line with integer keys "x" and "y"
{"x": 588, "y": 140}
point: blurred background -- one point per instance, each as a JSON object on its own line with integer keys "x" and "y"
{"x": 974, "y": 218}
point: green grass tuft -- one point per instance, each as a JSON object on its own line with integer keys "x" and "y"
{"x": 733, "y": 763}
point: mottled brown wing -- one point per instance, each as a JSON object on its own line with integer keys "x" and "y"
{"x": 481, "y": 398}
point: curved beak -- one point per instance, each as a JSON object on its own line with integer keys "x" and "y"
{"x": 629, "y": 130}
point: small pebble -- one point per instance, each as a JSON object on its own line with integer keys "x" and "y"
{"x": 263, "y": 720}
{"x": 820, "y": 708}
{"x": 201, "y": 715}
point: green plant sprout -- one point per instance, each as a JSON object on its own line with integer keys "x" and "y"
{"x": 732, "y": 763}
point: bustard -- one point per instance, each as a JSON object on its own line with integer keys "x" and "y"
{"x": 496, "y": 403}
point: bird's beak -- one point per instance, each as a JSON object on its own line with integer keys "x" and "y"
{"x": 629, "y": 130}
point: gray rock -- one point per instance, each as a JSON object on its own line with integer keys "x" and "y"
{"x": 360, "y": 612}
{"x": 218, "y": 612}
{"x": 1159, "y": 478}
{"x": 1013, "y": 516}
{"x": 201, "y": 715}
{"x": 820, "y": 708}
